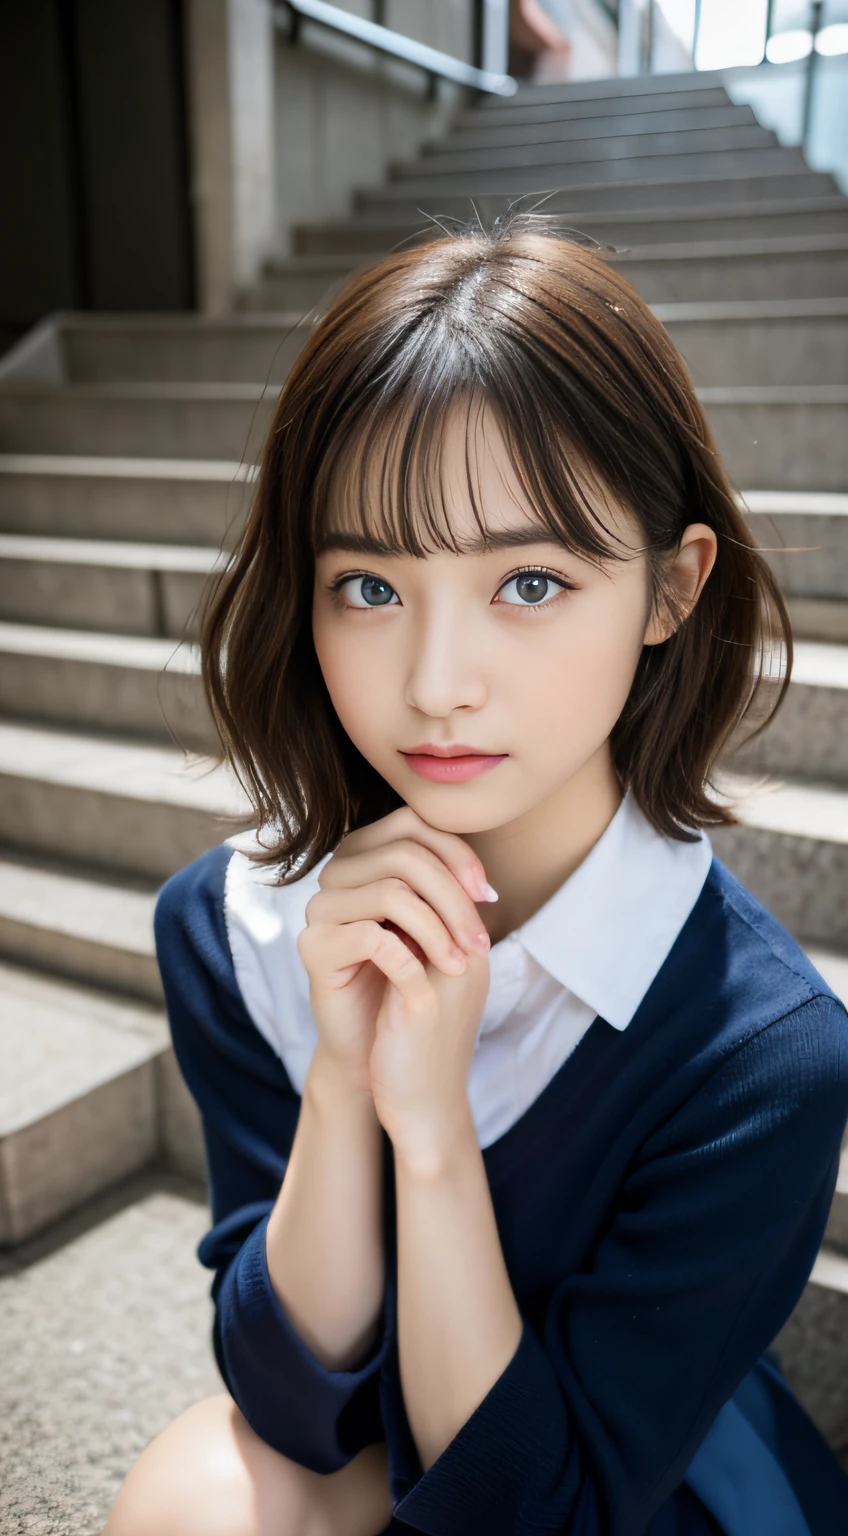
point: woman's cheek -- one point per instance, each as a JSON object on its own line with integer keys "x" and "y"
{"x": 587, "y": 686}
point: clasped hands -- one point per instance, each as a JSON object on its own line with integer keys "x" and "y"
{"x": 399, "y": 975}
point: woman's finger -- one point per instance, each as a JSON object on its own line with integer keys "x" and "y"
{"x": 392, "y": 901}
{"x": 352, "y": 944}
{"x": 408, "y": 863}
{"x": 401, "y": 967}
{"x": 460, "y": 859}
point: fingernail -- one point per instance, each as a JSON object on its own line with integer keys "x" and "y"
{"x": 482, "y": 940}
{"x": 488, "y": 893}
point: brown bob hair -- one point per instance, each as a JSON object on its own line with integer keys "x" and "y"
{"x": 588, "y": 390}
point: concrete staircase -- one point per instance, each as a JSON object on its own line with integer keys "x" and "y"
{"x": 126, "y": 454}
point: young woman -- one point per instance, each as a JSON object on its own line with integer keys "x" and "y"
{"x": 522, "y": 1114}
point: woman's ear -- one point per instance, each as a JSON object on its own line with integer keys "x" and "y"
{"x": 687, "y": 573}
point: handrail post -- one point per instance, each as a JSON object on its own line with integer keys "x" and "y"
{"x": 494, "y": 39}
{"x": 647, "y": 39}
{"x": 769, "y": 20}
{"x": 633, "y": 24}
{"x": 809, "y": 79}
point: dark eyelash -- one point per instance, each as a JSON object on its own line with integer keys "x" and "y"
{"x": 539, "y": 570}
{"x": 334, "y": 587}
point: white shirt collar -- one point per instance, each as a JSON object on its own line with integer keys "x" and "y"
{"x": 604, "y": 934}
{"x": 609, "y": 927}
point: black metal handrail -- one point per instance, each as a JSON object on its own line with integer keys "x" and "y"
{"x": 436, "y": 65}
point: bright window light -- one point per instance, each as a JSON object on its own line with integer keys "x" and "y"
{"x": 832, "y": 40}
{"x": 731, "y": 33}
{"x": 785, "y": 47}
{"x": 680, "y": 15}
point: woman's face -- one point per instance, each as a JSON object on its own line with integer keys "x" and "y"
{"x": 534, "y": 666}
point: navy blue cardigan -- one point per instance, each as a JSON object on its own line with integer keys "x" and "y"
{"x": 660, "y": 1206}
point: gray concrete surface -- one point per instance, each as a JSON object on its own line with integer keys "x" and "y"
{"x": 105, "y": 1337}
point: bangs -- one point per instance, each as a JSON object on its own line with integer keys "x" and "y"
{"x": 388, "y": 478}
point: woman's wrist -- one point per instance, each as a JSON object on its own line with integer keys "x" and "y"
{"x": 331, "y": 1084}
{"x": 430, "y": 1153}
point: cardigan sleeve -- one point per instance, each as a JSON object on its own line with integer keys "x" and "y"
{"x": 713, "y": 1234}
{"x": 249, "y": 1110}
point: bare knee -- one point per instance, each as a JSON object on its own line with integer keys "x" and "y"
{"x": 209, "y": 1474}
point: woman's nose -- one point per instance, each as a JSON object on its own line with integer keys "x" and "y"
{"x": 445, "y": 668}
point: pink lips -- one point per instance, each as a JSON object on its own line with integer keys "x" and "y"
{"x": 454, "y": 769}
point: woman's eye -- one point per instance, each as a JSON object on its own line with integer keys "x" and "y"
{"x": 373, "y": 589}
{"x": 534, "y": 586}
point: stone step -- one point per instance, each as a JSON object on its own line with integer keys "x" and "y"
{"x": 132, "y": 685}
{"x": 301, "y": 281}
{"x": 781, "y": 340}
{"x": 768, "y": 341}
{"x": 119, "y": 587}
{"x": 561, "y": 124}
{"x": 178, "y": 501}
{"x": 807, "y": 737}
{"x": 781, "y": 438}
{"x": 506, "y": 115}
{"x": 773, "y": 437}
{"x": 732, "y": 183}
{"x": 131, "y": 808}
{"x": 420, "y": 180}
{"x": 157, "y": 349}
{"x": 535, "y": 150}
{"x": 611, "y": 87}
{"x": 80, "y": 924}
{"x": 791, "y": 850}
{"x": 78, "y": 1096}
{"x": 187, "y": 421}
{"x": 750, "y": 271}
{"x": 690, "y": 271}
{"x": 806, "y": 217}
{"x": 805, "y": 539}
{"x": 820, "y": 619}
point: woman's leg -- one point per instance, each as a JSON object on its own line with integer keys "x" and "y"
{"x": 209, "y": 1474}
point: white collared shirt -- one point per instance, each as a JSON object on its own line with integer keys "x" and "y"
{"x": 593, "y": 948}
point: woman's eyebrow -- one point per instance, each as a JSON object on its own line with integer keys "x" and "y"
{"x": 504, "y": 538}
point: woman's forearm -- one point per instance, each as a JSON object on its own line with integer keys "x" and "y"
{"x": 324, "y": 1240}
{"x": 459, "y": 1324}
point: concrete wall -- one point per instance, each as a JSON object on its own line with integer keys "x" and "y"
{"x": 230, "y": 91}
{"x": 344, "y": 113}
{"x": 284, "y": 132}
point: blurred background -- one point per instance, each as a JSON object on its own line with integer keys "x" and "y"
{"x": 181, "y": 182}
